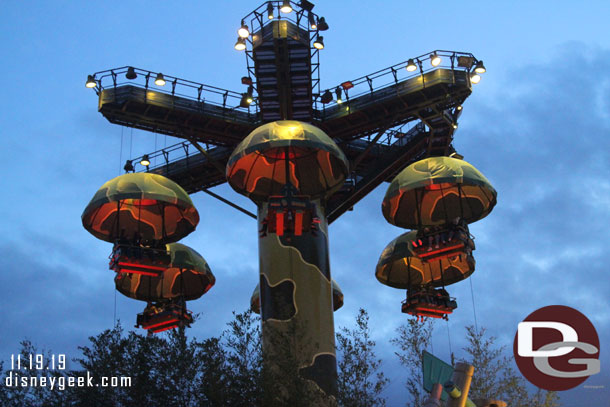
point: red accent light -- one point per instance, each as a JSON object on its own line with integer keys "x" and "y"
{"x": 279, "y": 224}
{"x": 347, "y": 85}
{"x": 298, "y": 223}
{"x": 169, "y": 321}
{"x": 144, "y": 266}
{"x": 446, "y": 250}
{"x": 144, "y": 202}
{"x": 130, "y": 271}
{"x": 208, "y": 288}
{"x": 165, "y": 329}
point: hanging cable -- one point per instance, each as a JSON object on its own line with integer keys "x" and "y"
{"x": 155, "y": 150}
{"x": 449, "y": 340}
{"x": 114, "y": 317}
{"x": 121, "y": 151}
{"x": 474, "y": 311}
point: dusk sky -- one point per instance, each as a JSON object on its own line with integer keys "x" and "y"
{"x": 537, "y": 126}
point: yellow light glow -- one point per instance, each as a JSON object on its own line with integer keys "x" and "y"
{"x": 459, "y": 107}
{"x": 240, "y": 45}
{"x": 243, "y": 32}
{"x": 480, "y": 68}
{"x": 286, "y": 7}
{"x": 435, "y": 60}
{"x": 145, "y": 161}
{"x": 411, "y": 66}
{"x": 475, "y": 78}
{"x": 339, "y": 101}
{"x": 90, "y": 82}
{"x": 319, "y": 43}
{"x": 160, "y": 80}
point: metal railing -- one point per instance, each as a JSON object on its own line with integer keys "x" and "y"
{"x": 384, "y": 78}
{"x": 173, "y": 86}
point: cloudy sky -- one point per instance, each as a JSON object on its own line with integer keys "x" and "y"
{"x": 538, "y": 126}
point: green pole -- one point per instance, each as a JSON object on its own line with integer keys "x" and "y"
{"x": 297, "y": 314}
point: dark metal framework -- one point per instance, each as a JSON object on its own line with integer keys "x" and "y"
{"x": 386, "y": 120}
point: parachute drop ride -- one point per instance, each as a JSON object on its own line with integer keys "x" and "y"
{"x": 143, "y": 214}
{"x": 187, "y": 278}
{"x": 437, "y": 197}
{"x": 289, "y": 169}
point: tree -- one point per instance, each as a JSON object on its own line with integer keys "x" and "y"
{"x": 494, "y": 376}
{"x": 242, "y": 341}
{"x": 413, "y": 338}
{"x": 360, "y": 382}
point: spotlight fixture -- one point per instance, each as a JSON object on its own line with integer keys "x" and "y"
{"x": 129, "y": 166}
{"x": 479, "y": 67}
{"x": 91, "y": 83}
{"x": 327, "y": 97}
{"x": 243, "y": 31}
{"x": 475, "y": 78}
{"x": 411, "y": 65}
{"x": 286, "y": 7}
{"x": 306, "y": 5}
{"x": 270, "y": 11}
{"x": 459, "y": 108}
{"x": 435, "y": 60}
{"x": 240, "y": 45}
{"x": 250, "y": 98}
{"x": 312, "y": 22}
{"x": 454, "y": 125}
{"x": 322, "y": 25}
{"x": 131, "y": 73}
{"x": 319, "y": 43}
{"x": 145, "y": 161}
{"x": 247, "y": 98}
{"x": 338, "y": 93}
{"x": 160, "y": 80}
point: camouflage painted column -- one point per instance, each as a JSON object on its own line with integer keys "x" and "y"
{"x": 289, "y": 169}
{"x": 296, "y": 309}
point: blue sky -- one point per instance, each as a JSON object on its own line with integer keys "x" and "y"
{"x": 537, "y": 126}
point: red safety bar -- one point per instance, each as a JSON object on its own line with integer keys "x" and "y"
{"x": 440, "y": 253}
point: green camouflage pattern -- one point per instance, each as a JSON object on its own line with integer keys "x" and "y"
{"x": 296, "y": 301}
{"x": 436, "y": 190}
{"x": 140, "y": 206}
{"x": 188, "y": 276}
{"x": 399, "y": 266}
{"x": 255, "y": 299}
{"x": 316, "y": 165}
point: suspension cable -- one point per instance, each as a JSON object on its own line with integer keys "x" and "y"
{"x": 449, "y": 340}
{"x": 474, "y": 311}
{"x": 121, "y": 152}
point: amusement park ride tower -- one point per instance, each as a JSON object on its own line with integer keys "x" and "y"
{"x": 304, "y": 154}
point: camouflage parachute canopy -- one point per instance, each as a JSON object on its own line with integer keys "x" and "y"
{"x": 140, "y": 206}
{"x": 316, "y": 165}
{"x": 436, "y": 190}
{"x": 399, "y": 266}
{"x": 188, "y": 276}
{"x": 255, "y": 303}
